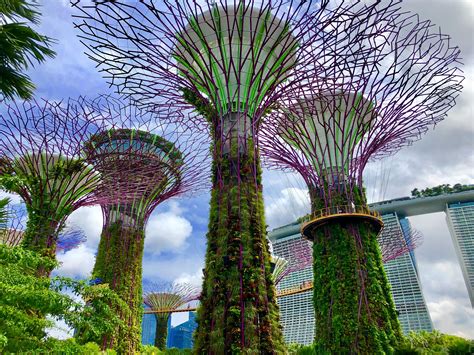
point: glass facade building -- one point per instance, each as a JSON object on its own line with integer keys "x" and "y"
{"x": 460, "y": 218}
{"x": 180, "y": 337}
{"x": 296, "y": 311}
{"x": 402, "y": 274}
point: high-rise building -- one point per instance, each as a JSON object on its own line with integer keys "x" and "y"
{"x": 460, "y": 218}
{"x": 296, "y": 311}
{"x": 402, "y": 273}
{"x": 181, "y": 336}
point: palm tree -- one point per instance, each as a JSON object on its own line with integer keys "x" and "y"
{"x": 20, "y": 47}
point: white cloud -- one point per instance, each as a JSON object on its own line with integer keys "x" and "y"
{"x": 89, "y": 219}
{"x": 77, "y": 262}
{"x": 167, "y": 231}
{"x": 291, "y": 204}
{"x": 452, "y": 318}
{"x": 194, "y": 279}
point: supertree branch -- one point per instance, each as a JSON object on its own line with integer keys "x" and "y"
{"x": 299, "y": 258}
{"x": 398, "y": 81}
{"x": 166, "y": 299}
{"x": 42, "y": 161}
{"x": 152, "y": 51}
{"x": 395, "y": 243}
{"x": 69, "y": 238}
{"x": 148, "y": 161}
{"x": 404, "y": 82}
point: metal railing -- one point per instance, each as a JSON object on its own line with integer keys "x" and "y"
{"x": 340, "y": 210}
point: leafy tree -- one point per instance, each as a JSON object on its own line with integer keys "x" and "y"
{"x": 26, "y": 299}
{"x": 20, "y": 47}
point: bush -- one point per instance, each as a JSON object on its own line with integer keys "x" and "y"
{"x": 434, "y": 343}
{"x": 26, "y": 300}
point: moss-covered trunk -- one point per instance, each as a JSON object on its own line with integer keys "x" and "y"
{"x": 161, "y": 333}
{"x": 41, "y": 235}
{"x": 238, "y": 311}
{"x": 354, "y": 308}
{"x": 119, "y": 263}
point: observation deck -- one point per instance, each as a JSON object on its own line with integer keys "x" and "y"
{"x": 341, "y": 214}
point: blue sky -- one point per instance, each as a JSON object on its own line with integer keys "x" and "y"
{"x": 175, "y": 241}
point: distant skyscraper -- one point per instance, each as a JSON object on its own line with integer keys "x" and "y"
{"x": 460, "y": 218}
{"x": 181, "y": 336}
{"x": 296, "y": 311}
{"x": 402, "y": 274}
{"x": 149, "y": 328}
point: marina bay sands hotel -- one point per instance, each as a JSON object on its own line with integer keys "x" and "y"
{"x": 297, "y": 312}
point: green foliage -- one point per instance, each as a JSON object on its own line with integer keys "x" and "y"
{"x": 119, "y": 264}
{"x": 238, "y": 299}
{"x": 26, "y": 299}
{"x": 434, "y": 343}
{"x": 354, "y": 308}
{"x": 20, "y": 47}
{"x": 152, "y": 350}
{"x": 440, "y": 190}
{"x": 298, "y": 349}
{"x": 203, "y": 107}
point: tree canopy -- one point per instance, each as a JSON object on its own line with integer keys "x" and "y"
{"x": 20, "y": 47}
{"x": 440, "y": 189}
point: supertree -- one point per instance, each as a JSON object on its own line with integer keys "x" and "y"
{"x": 230, "y": 61}
{"x": 149, "y": 162}
{"x": 165, "y": 299}
{"x": 384, "y": 96}
{"x": 299, "y": 258}
{"x": 395, "y": 243}
{"x": 41, "y": 160}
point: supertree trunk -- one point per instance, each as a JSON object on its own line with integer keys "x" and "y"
{"x": 119, "y": 263}
{"x": 354, "y": 309}
{"x": 41, "y": 236}
{"x": 238, "y": 303}
{"x": 161, "y": 330}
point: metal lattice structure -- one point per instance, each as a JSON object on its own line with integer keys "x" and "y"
{"x": 69, "y": 238}
{"x": 149, "y": 161}
{"x": 399, "y": 80}
{"x": 229, "y": 62}
{"x": 164, "y": 300}
{"x": 396, "y": 81}
{"x": 393, "y": 243}
{"x": 42, "y": 161}
{"x": 300, "y": 257}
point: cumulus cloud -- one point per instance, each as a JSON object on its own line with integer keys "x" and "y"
{"x": 193, "y": 279}
{"x": 289, "y": 205}
{"x": 167, "y": 231}
{"x": 89, "y": 219}
{"x": 77, "y": 263}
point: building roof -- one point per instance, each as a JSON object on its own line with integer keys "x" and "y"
{"x": 407, "y": 206}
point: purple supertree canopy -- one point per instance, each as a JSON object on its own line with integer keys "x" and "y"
{"x": 395, "y": 243}
{"x": 235, "y": 56}
{"x": 169, "y": 297}
{"x": 398, "y": 81}
{"x": 41, "y": 145}
{"x": 146, "y": 159}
